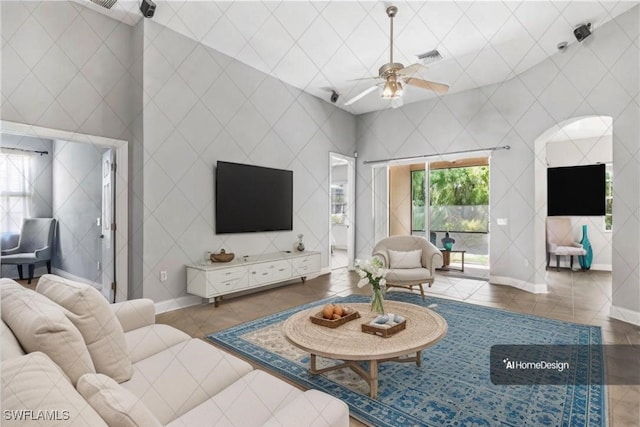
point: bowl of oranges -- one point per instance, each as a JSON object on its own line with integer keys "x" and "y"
{"x": 334, "y": 315}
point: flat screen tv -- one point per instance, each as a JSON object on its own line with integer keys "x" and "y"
{"x": 576, "y": 191}
{"x": 253, "y": 198}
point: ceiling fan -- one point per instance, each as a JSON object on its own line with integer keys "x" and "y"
{"x": 395, "y": 74}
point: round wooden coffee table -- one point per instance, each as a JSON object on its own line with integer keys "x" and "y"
{"x": 349, "y": 344}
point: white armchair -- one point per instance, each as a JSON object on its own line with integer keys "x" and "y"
{"x": 411, "y": 261}
{"x": 560, "y": 241}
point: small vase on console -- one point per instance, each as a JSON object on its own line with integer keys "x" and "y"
{"x": 585, "y": 261}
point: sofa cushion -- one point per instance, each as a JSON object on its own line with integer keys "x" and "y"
{"x": 250, "y": 401}
{"x": 116, "y": 405}
{"x": 39, "y": 324}
{"x": 9, "y": 345}
{"x": 312, "y": 408}
{"x": 405, "y": 259}
{"x": 178, "y": 379}
{"x": 35, "y": 385}
{"x": 89, "y": 311}
{"x": 149, "y": 340}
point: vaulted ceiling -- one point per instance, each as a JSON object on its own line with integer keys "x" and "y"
{"x": 324, "y": 46}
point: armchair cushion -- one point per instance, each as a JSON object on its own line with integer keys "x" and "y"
{"x": 89, "y": 311}
{"x": 408, "y": 275}
{"x": 405, "y": 259}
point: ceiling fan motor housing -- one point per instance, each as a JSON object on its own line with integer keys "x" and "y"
{"x": 389, "y": 69}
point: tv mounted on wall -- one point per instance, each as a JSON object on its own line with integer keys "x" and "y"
{"x": 253, "y": 198}
{"x": 576, "y": 191}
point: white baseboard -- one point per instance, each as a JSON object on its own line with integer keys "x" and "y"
{"x": 177, "y": 303}
{"x": 323, "y": 271}
{"x": 534, "y": 288}
{"x": 601, "y": 267}
{"x": 75, "y": 278}
{"x": 625, "y": 315}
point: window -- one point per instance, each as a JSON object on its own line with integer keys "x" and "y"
{"x": 15, "y": 197}
{"x": 338, "y": 204}
{"x": 608, "y": 196}
{"x": 459, "y": 199}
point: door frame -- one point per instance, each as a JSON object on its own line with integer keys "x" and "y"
{"x": 351, "y": 206}
{"x": 121, "y": 148}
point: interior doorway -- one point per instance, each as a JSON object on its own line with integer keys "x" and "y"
{"x": 579, "y": 141}
{"x": 341, "y": 211}
{"x": 118, "y": 251}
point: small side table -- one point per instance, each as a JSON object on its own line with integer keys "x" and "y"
{"x": 446, "y": 259}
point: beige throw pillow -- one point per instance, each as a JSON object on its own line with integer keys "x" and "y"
{"x": 405, "y": 259}
{"x": 115, "y": 404}
{"x": 89, "y": 311}
{"x": 41, "y": 325}
{"x": 34, "y": 384}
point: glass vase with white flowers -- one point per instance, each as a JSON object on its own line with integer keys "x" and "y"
{"x": 372, "y": 273}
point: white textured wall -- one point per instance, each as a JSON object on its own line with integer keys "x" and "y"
{"x": 202, "y": 106}
{"x": 597, "y": 77}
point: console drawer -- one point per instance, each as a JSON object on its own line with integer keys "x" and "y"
{"x": 268, "y": 272}
{"x": 228, "y": 280}
{"x": 305, "y": 265}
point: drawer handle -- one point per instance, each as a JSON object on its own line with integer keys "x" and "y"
{"x": 227, "y": 273}
{"x": 282, "y": 269}
{"x": 264, "y": 274}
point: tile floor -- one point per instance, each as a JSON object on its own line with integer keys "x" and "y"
{"x": 582, "y": 297}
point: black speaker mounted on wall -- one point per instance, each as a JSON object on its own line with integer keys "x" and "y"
{"x": 148, "y": 8}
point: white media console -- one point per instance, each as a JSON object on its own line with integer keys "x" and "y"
{"x": 212, "y": 281}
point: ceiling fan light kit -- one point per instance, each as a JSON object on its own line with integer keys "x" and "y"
{"x": 392, "y": 88}
{"x": 395, "y": 75}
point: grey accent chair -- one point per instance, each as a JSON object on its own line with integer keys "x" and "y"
{"x": 408, "y": 268}
{"x": 34, "y": 246}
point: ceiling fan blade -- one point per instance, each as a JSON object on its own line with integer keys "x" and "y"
{"x": 433, "y": 86}
{"x": 361, "y": 95}
{"x": 412, "y": 69}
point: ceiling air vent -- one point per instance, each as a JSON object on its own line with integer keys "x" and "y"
{"x": 104, "y": 3}
{"x": 430, "y": 57}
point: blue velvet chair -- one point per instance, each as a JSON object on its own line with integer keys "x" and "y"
{"x": 34, "y": 246}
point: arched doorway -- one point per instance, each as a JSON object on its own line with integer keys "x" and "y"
{"x": 574, "y": 142}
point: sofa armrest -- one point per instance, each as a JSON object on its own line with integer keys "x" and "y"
{"x": 312, "y": 408}
{"x": 135, "y": 314}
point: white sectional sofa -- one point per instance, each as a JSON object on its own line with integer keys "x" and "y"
{"x": 70, "y": 358}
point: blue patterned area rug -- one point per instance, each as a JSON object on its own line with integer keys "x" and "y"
{"x": 453, "y": 386}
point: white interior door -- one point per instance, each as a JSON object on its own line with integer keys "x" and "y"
{"x": 107, "y": 226}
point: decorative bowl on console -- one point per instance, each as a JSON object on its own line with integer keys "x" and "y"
{"x": 222, "y": 256}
